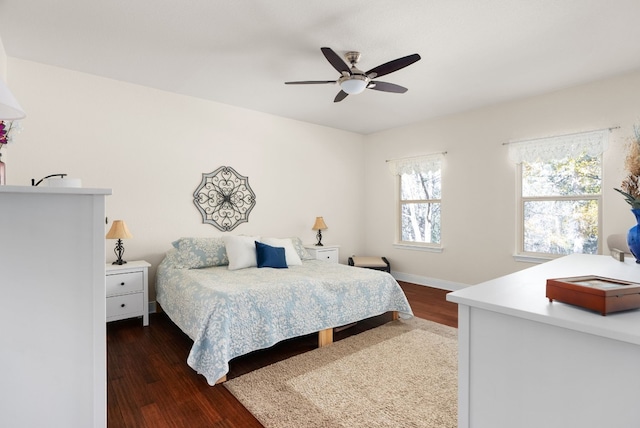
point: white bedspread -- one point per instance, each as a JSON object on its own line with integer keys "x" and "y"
{"x": 231, "y": 313}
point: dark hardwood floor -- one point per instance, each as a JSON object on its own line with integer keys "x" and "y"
{"x": 150, "y": 385}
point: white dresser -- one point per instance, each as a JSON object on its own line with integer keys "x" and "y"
{"x": 526, "y": 362}
{"x": 127, "y": 291}
{"x": 52, "y": 311}
{"x": 325, "y": 252}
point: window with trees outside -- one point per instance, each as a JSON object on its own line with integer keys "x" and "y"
{"x": 419, "y": 199}
{"x": 560, "y": 198}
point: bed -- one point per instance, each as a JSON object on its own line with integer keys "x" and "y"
{"x": 230, "y": 309}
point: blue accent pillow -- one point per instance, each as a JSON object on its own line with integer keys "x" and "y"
{"x": 268, "y": 256}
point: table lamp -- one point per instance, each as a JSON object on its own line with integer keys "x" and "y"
{"x": 119, "y": 231}
{"x": 319, "y": 225}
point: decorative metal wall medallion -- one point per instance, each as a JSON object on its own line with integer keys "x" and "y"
{"x": 224, "y": 198}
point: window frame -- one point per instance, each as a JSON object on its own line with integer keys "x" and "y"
{"x": 415, "y": 245}
{"x": 529, "y": 256}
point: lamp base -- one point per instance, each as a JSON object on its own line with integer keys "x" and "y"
{"x": 119, "y": 251}
{"x": 319, "y": 238}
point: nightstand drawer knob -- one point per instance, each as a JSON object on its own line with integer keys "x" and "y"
{"x": 122, "y": 283}
{"x": 122, "y": 305}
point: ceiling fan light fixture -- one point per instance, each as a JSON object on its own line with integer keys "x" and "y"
{"x": 354, "y": 84}
{"x": 354, "y": 81}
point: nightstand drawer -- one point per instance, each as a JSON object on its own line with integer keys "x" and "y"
{"x": 124, "y": 283}
{"x": 122, "y": 306}
{"x": 328, "y": 255}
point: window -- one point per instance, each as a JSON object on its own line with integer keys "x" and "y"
{"x": 560, "y": 183}
{"x": 419, "y": 199}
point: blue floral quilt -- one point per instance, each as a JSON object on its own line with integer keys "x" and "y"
{"x": 231, "y": 313}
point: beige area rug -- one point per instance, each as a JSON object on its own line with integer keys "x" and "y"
{"x": 401, "y": 374}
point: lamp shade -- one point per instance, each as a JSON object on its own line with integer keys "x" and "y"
{"x": 319, "y": 224}
{"x": 9, "y": 107}
{"x": 119, "y": 230}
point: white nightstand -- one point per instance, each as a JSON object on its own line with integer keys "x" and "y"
{"x": 127, "y": 289}
{"x": 324, "y": 252}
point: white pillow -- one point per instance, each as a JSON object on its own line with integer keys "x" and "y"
{"x": 241, "y": 251}
{"x": 290, "y": 252}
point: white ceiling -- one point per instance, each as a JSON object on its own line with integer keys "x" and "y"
{"x": 240, "y": 52}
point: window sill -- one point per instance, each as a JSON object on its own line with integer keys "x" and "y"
{"x": 424, "y": 248}
{"x": 527, "y": 258}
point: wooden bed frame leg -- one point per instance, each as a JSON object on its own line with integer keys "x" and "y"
{"x": 395, "y": 316}
{"x": 325, "y": 337}
{"x": 222, "y": 379}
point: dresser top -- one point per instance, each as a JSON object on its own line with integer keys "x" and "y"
{"x": 523, "y": 294}
{"x": 54, "y": 190}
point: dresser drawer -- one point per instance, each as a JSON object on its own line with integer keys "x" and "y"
{"x": 123, "y": 283}
{"x": 124, "y": 306}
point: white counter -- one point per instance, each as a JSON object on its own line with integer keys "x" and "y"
{"x": 527, "y": 362}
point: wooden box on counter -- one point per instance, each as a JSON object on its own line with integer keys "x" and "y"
{"x": 604, "y": 295}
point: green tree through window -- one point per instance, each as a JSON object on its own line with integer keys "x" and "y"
{"x": 560, "y": 205}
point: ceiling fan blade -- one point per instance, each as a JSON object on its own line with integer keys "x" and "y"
{"x": 387, "y": 87}
{"x": 310, "y": 82}
{"x": 341, "y": 96}
{"x": 395, "y": 65}
{"x": 335, "y": 60}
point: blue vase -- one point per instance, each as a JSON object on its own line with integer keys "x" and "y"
{"x": 633, "y": 237}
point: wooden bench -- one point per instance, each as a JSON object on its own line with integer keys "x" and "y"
{"x": 377, "y": 263}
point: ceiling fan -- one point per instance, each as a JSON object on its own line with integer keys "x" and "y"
{"x": 354, "y": 81}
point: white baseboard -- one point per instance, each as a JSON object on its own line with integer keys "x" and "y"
{"x": 429, "y": 282}
{"x": 152, "y": 307}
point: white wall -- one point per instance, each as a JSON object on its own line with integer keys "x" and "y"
{"x": 478, "y": 202}
{"x": 3, "y": 62}
{"x": 151, "y": 148}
